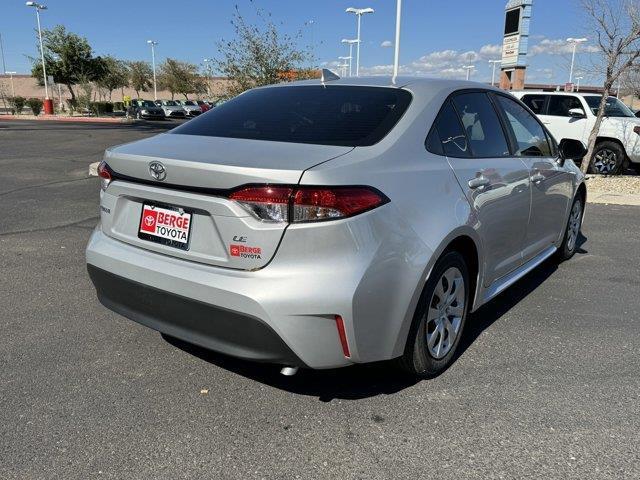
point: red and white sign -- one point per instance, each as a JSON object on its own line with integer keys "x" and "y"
{"x": 164, "y": 223}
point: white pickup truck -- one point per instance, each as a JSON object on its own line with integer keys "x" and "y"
{"x": 572, "y": 115}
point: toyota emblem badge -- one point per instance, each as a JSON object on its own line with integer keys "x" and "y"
{"x": 157, "y": 171}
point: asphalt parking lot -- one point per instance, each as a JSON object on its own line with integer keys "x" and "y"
{"x": 547, "y": 385}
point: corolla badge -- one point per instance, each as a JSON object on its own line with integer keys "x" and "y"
{"x": 157, "y": 171}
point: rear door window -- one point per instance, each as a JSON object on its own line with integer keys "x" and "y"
{"x": 535, "y": 103}
{"x": 559, "y": 105}
{"x": 448, "y": 130}
{"x": 482, "y": 125}
{"x": 324, "y": 115}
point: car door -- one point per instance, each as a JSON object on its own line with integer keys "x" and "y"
{"x": 551, "y": 183}
{"x": 557, "y": 119}
{"x": 495, "y": 183}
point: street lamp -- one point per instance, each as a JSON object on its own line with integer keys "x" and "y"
{"x": 346, "y": 65}
{"x": 396, "y": 55}
{"x": 493, "y": 72}
{"x": 350, "y": 42}
{"x": 575, "y": 42}
{"x": 48, "y": 104}
{"x": 578, "y": 84}
{"x": 207, "y": 68}
{"x": 153, "y": 44}
{"x": 468, "y": 68}
{"x": 358, "y": 12}
{"x": 13, "y": 90}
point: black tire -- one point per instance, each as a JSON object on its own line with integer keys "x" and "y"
{"x": 570, "y": 243}
{"x": 608, "y": 158}
{"x": 417, "y": 359}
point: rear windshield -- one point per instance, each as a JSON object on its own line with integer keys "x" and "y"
{"x": 323, "y": 115}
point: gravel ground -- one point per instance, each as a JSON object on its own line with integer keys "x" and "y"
{"x": 624, "y": 184}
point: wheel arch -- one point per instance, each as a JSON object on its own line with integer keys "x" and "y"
{"x": 465, "y": 241}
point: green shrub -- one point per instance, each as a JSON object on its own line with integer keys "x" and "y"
{"x": 72, "y": 104}
{"x": 101, "y": 108}
{"x": 35, "y": 104}
{"x": 17, "y": 103}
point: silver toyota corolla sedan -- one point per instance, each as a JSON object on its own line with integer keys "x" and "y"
{"x": 325, "y": 223}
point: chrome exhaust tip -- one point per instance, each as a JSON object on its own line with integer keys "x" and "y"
{"x": 289, "y": 371}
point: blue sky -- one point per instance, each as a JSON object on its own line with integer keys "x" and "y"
{"x": 438, "y": 37}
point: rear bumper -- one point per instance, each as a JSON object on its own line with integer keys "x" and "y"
{"x": 320, "y": 271}
{"x": 202, "y": 324}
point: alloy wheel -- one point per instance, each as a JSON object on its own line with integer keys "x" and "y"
{"x": 605, "y": 161}
{"x": 574, "y": 225}
{"x": 444, "y": 315}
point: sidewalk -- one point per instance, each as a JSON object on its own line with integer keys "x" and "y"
{"x": 67, "y": 118}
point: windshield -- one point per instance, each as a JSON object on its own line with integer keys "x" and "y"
{"x": 322, "y": 115}
{"x": 170, "y": 103}
{"x": 189, "y": 102}
{"x": 614, "y": 107}
{"x": 148, "y": 103}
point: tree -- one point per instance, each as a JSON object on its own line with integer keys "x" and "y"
{"x": 115, "y": 75}
{"x": 617, "y": 26}
{"x": 180, "y": 77}
{"x": 140, "y": 75}
{"x": 68, "y": 58}
{"x": 260, "y": 54}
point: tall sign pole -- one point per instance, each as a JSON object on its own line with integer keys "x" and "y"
{"x": 515, "y": 44}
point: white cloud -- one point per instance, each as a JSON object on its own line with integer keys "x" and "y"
{"x": 558, "y": 46}
{"x": 442, "y": 63}
{"x": 387, "y": 44}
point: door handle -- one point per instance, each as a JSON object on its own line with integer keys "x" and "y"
{"x": 537, "y": 177}
{"x": 479, "y": 182}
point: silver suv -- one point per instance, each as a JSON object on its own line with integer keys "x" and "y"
{"x": 322, "y": 224}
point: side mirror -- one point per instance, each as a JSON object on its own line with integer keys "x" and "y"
{"x": 576, "y": 113}
{"x": 570, "y": 149}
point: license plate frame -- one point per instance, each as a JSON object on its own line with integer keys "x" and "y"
{"x": 159, "y": 239}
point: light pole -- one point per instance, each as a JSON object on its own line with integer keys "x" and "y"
{"x": 493, "y": 71}
{"x": 207, "y": 68}
{"x": 396, "y": 56}
{"x": 358, "y": 12}
{"x": 48, "y": 104}
{"x": 345, "y": 64}
{"x": 578, "y": 84}
{"x": 13, "y": 90}
{"x": 575, "y": 42}
{"x": 468, "y": 68}
{"x": 350, "y": 42}
{"x": 153, "y": 44}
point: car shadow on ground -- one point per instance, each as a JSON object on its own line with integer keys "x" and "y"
{"x": 381, "y": 378}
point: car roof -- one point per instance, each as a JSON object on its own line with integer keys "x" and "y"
{"x": 415, "y": 84}
{"x": 540, "y": 92}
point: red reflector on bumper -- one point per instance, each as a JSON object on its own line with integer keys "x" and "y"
{"x": 343, "y": 336}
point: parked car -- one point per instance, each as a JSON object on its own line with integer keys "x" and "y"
{"x": 172, "y": 109}
{"x": 573, "y": 115}
{"x": 146, "y": 109}
{"x": 326, "y": 223}
{"x": 191, "y": 108}
{"x": 204, "y": 106}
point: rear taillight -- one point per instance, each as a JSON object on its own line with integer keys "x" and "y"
{"x": 105, "y": 174}
{"x": 267, "y": 203}
{"x": 307, "y": 203}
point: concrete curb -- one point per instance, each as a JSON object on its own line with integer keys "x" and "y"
{"x": 93, "y": 169}
{"x": 60, "y": 118}
{"x": 614, "y": 198}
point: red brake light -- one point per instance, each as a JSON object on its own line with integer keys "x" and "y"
{"x": 327, "y": 203}
{"x": 105, "y": 174}
{"x": 306, "y": 203}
